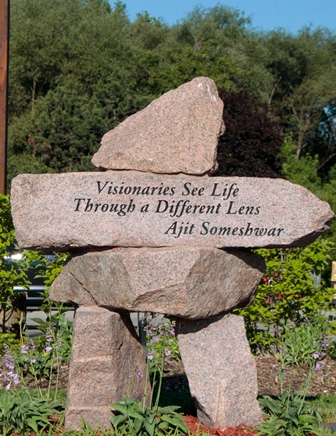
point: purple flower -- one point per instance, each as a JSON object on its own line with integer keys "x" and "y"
{"x": 151, "y": 330}
{"x": 150, "y": 356}
{"x": 137, "y": 372}
{"x": 49, "y": 338}
{"x": 32, "y": 360}
{"x": 24, "y": 349}
{"x": 316, "y": 355}
{"x": 167, "y": 352}
{"x": 318, "y": 365}
{"x": 171, "y": 331}
{"x": 16, "y": 379}
{"x": 48, "y": 349}
{"x": 9, "y": 364}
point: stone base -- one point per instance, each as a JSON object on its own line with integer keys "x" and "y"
{"x": 105, "y": 360}
{"x": 221, "y": 371}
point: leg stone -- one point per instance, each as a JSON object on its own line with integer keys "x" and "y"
{"x": 105, "y": 355}
{"x": 221, "y": 371}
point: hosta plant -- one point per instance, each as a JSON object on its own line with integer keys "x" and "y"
{"x": 136, "y": 419}
{"x": 289, "y": 415}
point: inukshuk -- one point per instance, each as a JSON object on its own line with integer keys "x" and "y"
{"x": 147, "y": 234}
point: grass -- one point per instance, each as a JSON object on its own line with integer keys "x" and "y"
{"x": 325, "y": 406}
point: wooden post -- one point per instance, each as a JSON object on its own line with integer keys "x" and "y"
{"x": 4, "y": 36}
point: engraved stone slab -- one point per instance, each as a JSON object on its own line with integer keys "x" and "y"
{"x": 133, "y": 209}
{"x": 176, "y": 133}
{"x": 106, "y": 360}
{"x": 221, "y": 371}
{"x": 189, "y": 282}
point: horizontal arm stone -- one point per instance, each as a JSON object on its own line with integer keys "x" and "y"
{"x": 134, "y": 209}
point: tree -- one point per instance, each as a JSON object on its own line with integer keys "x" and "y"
{"x": 251, "y": 142}
{"x": 69, "y": 87}
{"x": 303, "y": 68}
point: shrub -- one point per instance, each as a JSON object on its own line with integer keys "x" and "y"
{"x": 288, "y": 293}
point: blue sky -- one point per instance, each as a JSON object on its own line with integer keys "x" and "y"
{"x": 291, "y": 15}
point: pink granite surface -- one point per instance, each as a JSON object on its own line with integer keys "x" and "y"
{"x": 106, "y": 356}
{"x": 221, "y": 371}
{"x": 177, "y": 133}
{"x": 134, "y": 209}
{"x": 189, "y": 282}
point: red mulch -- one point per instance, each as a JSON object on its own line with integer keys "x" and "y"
{"x": 196, "y": 427}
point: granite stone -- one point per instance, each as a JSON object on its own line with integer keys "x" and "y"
{"x": 176, "y": 133}
{"x": 191, "y": 282}
{"x": 106, "y": 357}
{"x": 221, "y": 371}
{"x": 134, "y": 209}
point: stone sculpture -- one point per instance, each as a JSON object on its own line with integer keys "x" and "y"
{"x": 155, "y": 233}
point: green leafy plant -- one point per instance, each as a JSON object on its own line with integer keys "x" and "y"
{"x": 288, "y": 293}
{"x": 57, "y": 329}
{"x": 289, "y": 415}
{"x": 135, "y": 419}
{"x": 11, "y": 273}
{"x": 20, "y": 413}
{"x": 86, "y": 430}
{"x": 23, "y": 409}
{"x": 42, "y": 358}
{"x": 306, "y": 344}
{"x": 11, "y": 340}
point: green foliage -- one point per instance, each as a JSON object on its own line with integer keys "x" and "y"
{"x": 43, "y": 357}
{"x": 67, "y": 89}
{"x": 288, "y": 292}
{"x": 307, "y": 172}
{"x": 56, "y": 329}
{"x": 289, "y": 415}
{"x": 11, "y": 340}
{"x": 11, "y": 273}
{"x": 22, "y": 414}
{"x": 136, "y": 419}
{"x": 306, "y": 344}
{"x": 326, "y": 407}
{"x": 252, "y": 140}
{"x": 86, "y": 430}
{"x": 301, "y": 68}
{"x": 302, "y": 171}
{"x": 59, "y": 331}
{"x": 47, "y": 267}
{"x": 23, "y": 409}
